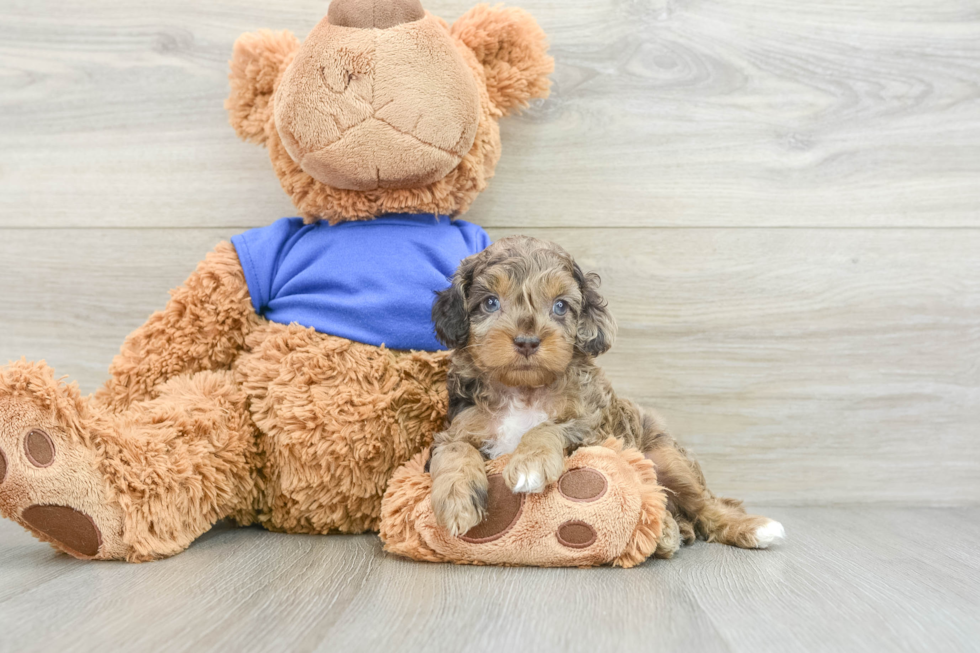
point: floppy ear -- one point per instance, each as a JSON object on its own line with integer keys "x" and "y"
{"x": 596, "y": 326}
{"x": 257, "y": 61}
{"x": 449, "y": 314}
{"x": 513, "y": 50}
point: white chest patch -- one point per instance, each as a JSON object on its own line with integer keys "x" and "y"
{"x": 514, "y": 422}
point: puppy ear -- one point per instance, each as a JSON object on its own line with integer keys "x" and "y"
{"x": 257, "y": 61}
{"x": 596, "y": 326}
{"x": 513, "y": 50}
{"x": 450, "y": 317}
{"x": 449, "y": 314}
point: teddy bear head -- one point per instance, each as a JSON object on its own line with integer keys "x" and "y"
{"x": 385, "y": 108}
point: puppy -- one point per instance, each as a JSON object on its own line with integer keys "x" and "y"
{"x": 525, "y": 325}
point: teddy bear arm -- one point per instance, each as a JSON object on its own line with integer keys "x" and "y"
{"x": 202, "y": 328}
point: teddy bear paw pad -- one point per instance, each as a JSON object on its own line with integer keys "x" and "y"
{"x": 72, "y": 530}
{"x": 503, "y": 510}
{"x": 582, "y": 484}
{"x": 576, "y": 534}
{"x": 39, "y": 448}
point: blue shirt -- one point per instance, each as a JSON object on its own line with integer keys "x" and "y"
{"x": 371, "y": 281}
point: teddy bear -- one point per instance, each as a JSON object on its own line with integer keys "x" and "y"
{"x": 292, "y": 374}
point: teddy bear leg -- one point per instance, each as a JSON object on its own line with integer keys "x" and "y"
{"x": 182, "y": 461}
{"x": 606, "y": 508}
{"x": 137, "y": 485}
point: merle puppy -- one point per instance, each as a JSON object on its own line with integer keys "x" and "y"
{"x": 525, "y": 324}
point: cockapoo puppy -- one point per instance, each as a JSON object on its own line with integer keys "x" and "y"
{"x": 525, "y": 324}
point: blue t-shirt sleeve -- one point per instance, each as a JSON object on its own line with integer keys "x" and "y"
{"x": 259, "y": 251}
{"x": 474, "y": 236}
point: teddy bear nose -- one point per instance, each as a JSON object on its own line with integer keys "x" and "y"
{"x": 376, "y": 14}
{"x": 527, "y": 345}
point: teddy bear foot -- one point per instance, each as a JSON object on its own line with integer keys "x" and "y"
{"x": 606, "y": 508}
{"x": 50, "y": 482}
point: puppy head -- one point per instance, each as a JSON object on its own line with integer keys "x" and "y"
{"x": 520, "y": 311}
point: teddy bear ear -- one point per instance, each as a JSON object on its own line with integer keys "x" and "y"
{"x": 513, "y": 50}
{"x": 257, "y": 61}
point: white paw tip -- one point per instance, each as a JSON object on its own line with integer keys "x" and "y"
{"x": 528, "y": 483}
{"x": 770, "y": 533}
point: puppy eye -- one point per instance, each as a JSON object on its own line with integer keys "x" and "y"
{"x": 560, "y": 307}
{"x": 491, "y": 304}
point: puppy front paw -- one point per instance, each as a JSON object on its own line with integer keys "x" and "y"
{"x": 531, "y": 473}
{"x": 459, "y": 506}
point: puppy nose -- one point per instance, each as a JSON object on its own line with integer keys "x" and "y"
{"x": 527, "y": 345}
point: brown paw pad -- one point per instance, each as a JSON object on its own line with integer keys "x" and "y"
{"x": 503, "y": 510}
{"x": 3, "y": 466}
{"x": 74, "y": 531}
{"x": 39, "y": 448}
{"x": 582, "y": 484}
{"x": 576, "y": 534}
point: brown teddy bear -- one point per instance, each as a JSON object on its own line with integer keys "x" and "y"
{"x": 296, "y": 368}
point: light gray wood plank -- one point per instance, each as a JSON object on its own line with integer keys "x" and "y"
{"x": 855, "y": 579}
{"x": 871, "y": 570}
{"x": 71, "y": 296}
{"x": 803, "y": 366}
{"x": 663, "y": 113}
{"x": 800, "y": 366}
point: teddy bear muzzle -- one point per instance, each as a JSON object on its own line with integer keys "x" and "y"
{"x": 359, "y": 107}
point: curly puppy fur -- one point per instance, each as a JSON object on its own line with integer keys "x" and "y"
{"x": 526, "y": 325}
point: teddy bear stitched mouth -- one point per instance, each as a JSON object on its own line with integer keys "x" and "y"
{"x": 454, "y": 152}
{"x": 329, "y": 162}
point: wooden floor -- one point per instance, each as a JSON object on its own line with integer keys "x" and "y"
{"x": 849, "y": 579}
